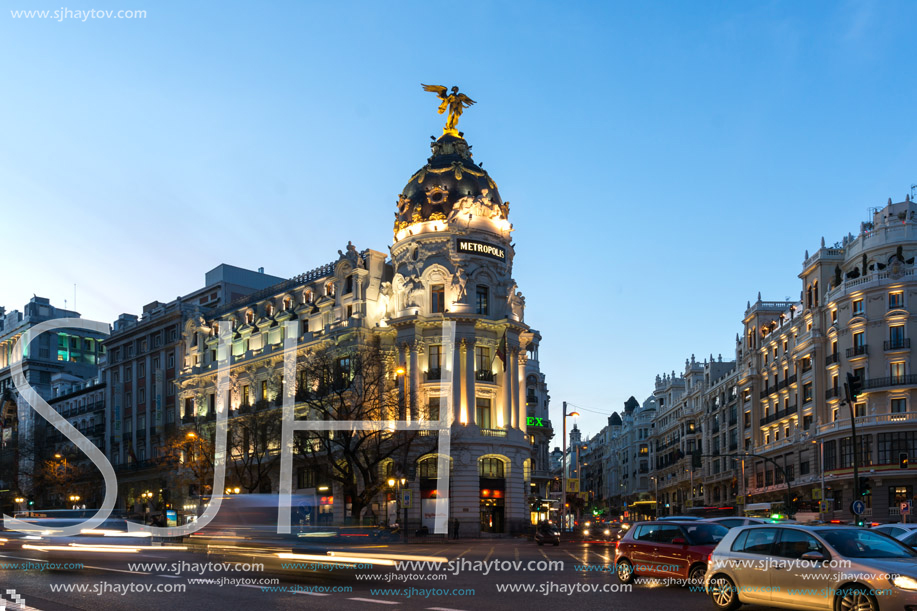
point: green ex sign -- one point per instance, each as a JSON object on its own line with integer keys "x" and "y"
{"x": 533, "y": 421}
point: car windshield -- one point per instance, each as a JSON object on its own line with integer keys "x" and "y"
{"x": 706, "y": 534}
{"x": 855, "y": 543}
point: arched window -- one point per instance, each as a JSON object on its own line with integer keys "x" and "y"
{"x": 427, "y": 468}
{"x": 329, "y": 289}
{"x": 307, "y": 296}
{"x": 491, "y": 467}
{"x": 250, "y": 317}
{"x": 269, "y": 310}
{"x": 287, "y": 304}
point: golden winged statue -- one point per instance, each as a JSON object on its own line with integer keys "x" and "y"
{"x": 455, "y": 102}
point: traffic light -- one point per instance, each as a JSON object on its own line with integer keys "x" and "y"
{"x": 865, "y": 486}
{"x": 31, "y": 500}
{"x": 902, "y": 460}
{"x": 854, "y": 386}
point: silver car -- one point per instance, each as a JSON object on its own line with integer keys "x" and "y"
{"x": 835, "y": 568}
{"x": 898, "y": 531}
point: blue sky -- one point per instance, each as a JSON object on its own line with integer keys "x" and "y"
{"x": 664, "y": 162}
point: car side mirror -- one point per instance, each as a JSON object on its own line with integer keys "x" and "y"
{"x": 679, "y": 541}
{"x": 813, "y": 556}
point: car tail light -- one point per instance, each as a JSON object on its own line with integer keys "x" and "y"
{"x": 709, "y": 557}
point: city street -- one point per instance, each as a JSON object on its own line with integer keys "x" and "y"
{"x": 105, "y": 580}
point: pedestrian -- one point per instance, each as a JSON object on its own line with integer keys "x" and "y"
{"x": 455, "y": 528}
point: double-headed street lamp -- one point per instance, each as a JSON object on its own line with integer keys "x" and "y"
{"x": 397, "y": 484}
{"x": 563, "y": 493}
{"x": 74, "y": 499}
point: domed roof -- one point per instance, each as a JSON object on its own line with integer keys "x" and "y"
{"x": 614, "y": 419}
{"x": 449, "y": 176}
{"x": 630, "y": 405}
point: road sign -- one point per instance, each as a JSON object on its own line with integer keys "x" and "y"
{"x": 823, "y": 506}
{"x": 740, "y": 500}
{"x": 406, "y": 498}
{"x": 858, "y": 507}
{"x": 905, "y": 508}
{"x": 816, "y": 494}
{"x": 572, "y": 484}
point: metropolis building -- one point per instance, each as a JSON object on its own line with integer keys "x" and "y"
{"x": 449, "y": 266}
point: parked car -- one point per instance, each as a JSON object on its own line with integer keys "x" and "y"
{"x": 732, "y": 522}
{"x": 812, "y": 567}
{"x": 547, "y": 533}
{"x": 679, "y": 518}
{"x": 898, "y": 531}
{"x": 667, "y": 549}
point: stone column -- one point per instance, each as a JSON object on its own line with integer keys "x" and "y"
{"x": 413, "y": 397}
{"x": 512, "y": 363}
{"x": 458, "y": 412}
{"x": 506, "y": 400}
{"x": 520, "y": 382}
{"x": 469, "y": 400}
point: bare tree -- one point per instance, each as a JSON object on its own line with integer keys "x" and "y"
{"x": 253, "y": 443}
{"x": 356, "y": 383}
{"x": 188, "y": 459}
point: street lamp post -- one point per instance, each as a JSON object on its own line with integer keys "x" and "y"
{"x": 397, "y": 484}
{"x": 563, "y": 471}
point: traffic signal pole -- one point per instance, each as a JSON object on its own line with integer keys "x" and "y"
{"x": 851, "y": 391}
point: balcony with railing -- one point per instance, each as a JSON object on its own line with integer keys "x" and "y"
{"x": 831, "y": 393}
{"x": 861, "y": 350}
{"x": 783, "y": 413}
{"x": 889, "y": 381}
{"x": 832, "y": 359}
{"x": 902, "y": 343}
{"x": 434, "y": 374}
{"x": 897, "y": 418}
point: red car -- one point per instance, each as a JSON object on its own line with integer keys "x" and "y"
{"x": 670, "y": 549}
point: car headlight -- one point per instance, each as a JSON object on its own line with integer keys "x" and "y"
{"x": 607, "y": 532}
{"x": 904, "y": 582}
{"x": 586, "y": 532}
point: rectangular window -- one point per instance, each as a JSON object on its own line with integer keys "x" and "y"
{"x": 895, "y": 300}
{"x": 865, "y": 451}
{"x": 807, "y": 392}
{"x": 246, "y": 394}
{"x": 482, "y": 407}
{"x": 899, "y": 494}
{"x": 481, "y": 300}
{"x": 899, "y": 406}
{"x": 896, "y": 370}
{"x": 858, "y": 307}
{"x": 433, "y": 404}
{"x": 435, "y": 360}
{"x": 830, "y": 455}
{"x": 747, "y": 421}
{"x": 438, "y": 298}
{"x": 890, "y": 445}
{"x": 896, "y": 337}
{"x": 264, "y": 390}
{"x": 482, "y": 358}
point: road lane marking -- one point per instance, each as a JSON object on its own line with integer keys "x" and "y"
{"x": 442, "y": 609}
{"x": 492, "y": 547}
{"x": 517, "y": 554}
{"x": 248, "y": 585}
{"x": 378, "y": 602}
{"x": 170, "y": 576}
{"x": 463, "y": 553}
{"x": 102, "y": 568}
{"x": 541, "y": 551}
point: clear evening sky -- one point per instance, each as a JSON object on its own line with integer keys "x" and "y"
{"x": 664, "y": 162}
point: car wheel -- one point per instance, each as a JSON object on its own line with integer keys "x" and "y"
{"x": 723, "y": 593}
{"x": 855, "y": 597}
{"x": 696, "y": 575}
{"x": 625, "y": 571}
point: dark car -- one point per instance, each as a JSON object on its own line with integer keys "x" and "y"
{"x": 547, "y": 533}
{"x": 667, "y": 549}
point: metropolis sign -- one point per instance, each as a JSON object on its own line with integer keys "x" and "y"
{"x": 481, "y": 248}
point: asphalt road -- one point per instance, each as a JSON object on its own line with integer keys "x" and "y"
{"x": 111, "y": 582}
